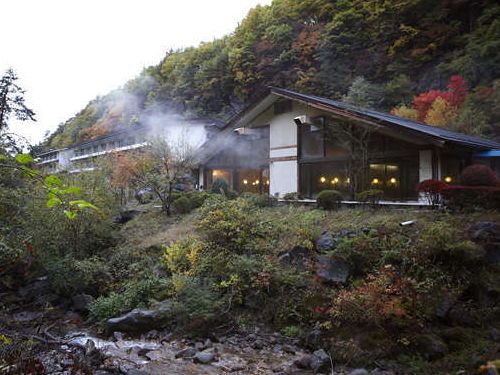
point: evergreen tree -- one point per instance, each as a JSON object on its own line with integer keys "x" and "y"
{"x": 12, "y": 101}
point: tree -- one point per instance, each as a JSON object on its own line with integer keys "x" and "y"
{"x": 354, "y": 139}
{"x": 441, "y": 113}
{"x": 12, "y": 101}
{"x": 162, "y": 168}
{"x": 364, "y": 94}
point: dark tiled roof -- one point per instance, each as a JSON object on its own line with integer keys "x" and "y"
{"x": 433, "y": 131}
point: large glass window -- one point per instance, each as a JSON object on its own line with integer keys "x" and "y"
{"x": 312, "y": 141}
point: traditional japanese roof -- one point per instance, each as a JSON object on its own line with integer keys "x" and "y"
{"x": 447, "y": 136}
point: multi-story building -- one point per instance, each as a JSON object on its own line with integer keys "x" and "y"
{"x": 83, "y": 156}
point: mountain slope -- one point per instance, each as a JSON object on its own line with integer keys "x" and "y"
{"x": 402, "y": 47}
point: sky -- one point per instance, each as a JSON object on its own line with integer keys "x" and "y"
{"x": 68, "y": 52}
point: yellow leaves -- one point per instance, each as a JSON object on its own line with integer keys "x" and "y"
{"x": 405, "y": 112}
{"x": 4, "y": 340}
{"x": 441, "y": 113}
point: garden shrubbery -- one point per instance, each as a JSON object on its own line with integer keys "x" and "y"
{"x": 372, "y": 196}
{"x": 329, "y": 199}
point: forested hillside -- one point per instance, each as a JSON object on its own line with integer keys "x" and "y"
{"x": 436, "y": 61}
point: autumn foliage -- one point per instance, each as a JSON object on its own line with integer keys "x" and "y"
{"x": 451, "y": 99}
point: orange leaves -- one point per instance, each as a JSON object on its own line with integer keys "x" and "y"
{"x": 437, "y": 107}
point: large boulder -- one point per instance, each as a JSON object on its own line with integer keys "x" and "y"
{"x": 325, "y": 242}
{"x": 320, "y": 361}
{"x": 141, "y": 320}
{"x": 331, "y": 270}
{"x": 487, "y": 233}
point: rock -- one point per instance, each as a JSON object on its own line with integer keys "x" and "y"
{"x": 81, "y": 302}
{"x": 303, "y": 362}
{"x": 188, "y": 352}
{"x": 117, "y": 336}
{"x": 487, "y": 233}
{"x": 446, "y": 303}
{"x": 27, "y": 316}
{"x": 258, "y": 344}
{"x": 320, "y": 360}
{"x": 126, "y": 216}
{"x": 313, "y": 338}
{"x": 359, "y": 371}
{"x": 495, "y": 334}
{"x": 199, "y": 346}
{"x": 431, "y": 346}
{"x": 459, "y": 315}
{"x": 325, "y": 242}
{"x": 204, "y": 357}
{"x": 331, "y": 270}
{"x": 298, "y": 256}
{"x": 140, "y": 320}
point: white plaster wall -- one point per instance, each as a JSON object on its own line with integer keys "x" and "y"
{"x": 283, "y": 177}
{"x": 283, "y": 152}
{"x": 425, "y": 165}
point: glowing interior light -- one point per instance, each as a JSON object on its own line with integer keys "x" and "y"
{"x": 448, "y": 179}
{"x": 347, "y": 180}
{"x": 322, "y": 179}
{"x": 375, "y": 181}
{"x": 336, "y": 180}
{"x": 257, "y": 182}
{"x": 245, "y": 181}
{"x": 393, "y": 180}
{"x": 267, "y": 182}
{"x": 215, "y": 173}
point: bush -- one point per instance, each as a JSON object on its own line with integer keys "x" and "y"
{"x": 432, "y": 190}
{"x": 219, "y": 186}
{"x": 291, "y": 196}
{"x": 182, "y": 205}
{"x": 478, "y": 175}
{"x": 469, "y": 198}
{"x": 372, "y": 196}
{"x": 196, "y": 198}
{"x": 261, "y": 200}
{"x": 329, "y": 199}
{"x": 181, "y": 255}
{"x": 134, "y": 294}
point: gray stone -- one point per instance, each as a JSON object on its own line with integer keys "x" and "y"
{"x": 204, "y": 357}
{"x": 431, "y": 346}
{"x": 495, "y": 334}
{"x": 141, "y": 320}
{"x": 303, "y": 362}
{"x": 331, "y": 270}
{"x": 487, "y": 233}
{"x": 258, "y": 344}
{"x": 298, "y": 256}
{"x": 325, "y": 242}
{"x": 188, "y": 352}
{"x": 320, "y": 360}
{"x": 359, "y": 371}
{"x": 81, "y": 302}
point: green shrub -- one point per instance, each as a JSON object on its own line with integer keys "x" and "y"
{"x": 261, "y": 200}
{"x": 69, "y": 276}
{"x": 196, "y": 198}
{"x": 293, "y": 331}
{"x": 196, "y": 303}
{"x": 232, "y": 225}
{"x": 328, "y": 199}
{"x": 371, "y": 196}
{"x": 182, "y": 205}
{"x": 220, "y": 186}
{"x": 291, "y": 196}
{"x": 134, "y": 294}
